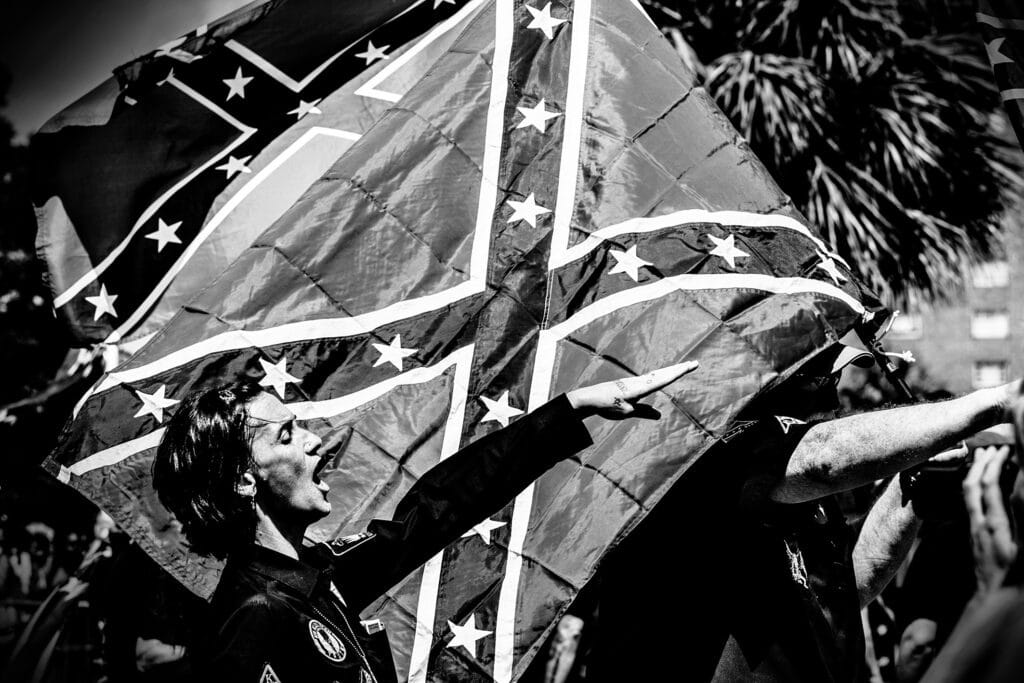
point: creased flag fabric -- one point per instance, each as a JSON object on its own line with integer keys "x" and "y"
{"x": 1002, "y": 28}
{"x": 150, "y": 186}
{"x": 555, "y": 203}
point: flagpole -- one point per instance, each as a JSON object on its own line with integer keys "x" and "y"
{"x": 874, "y": 345}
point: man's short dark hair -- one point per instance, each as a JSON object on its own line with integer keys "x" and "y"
{"x": 199, "y": 463}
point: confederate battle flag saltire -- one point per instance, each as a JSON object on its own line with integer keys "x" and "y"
{"x": 148, "y": 187}
{"x": 555, "y": 203}
{"x": 1002, "y": 27}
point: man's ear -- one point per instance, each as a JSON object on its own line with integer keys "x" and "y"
{"x": 247, "y": 485}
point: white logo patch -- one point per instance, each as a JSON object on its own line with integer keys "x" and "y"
{"x": 787, "y": 422}
{"x": 326, "y": 642}
{"x": 269, "y": 675}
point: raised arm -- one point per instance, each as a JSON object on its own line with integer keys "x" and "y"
{"x": 485, "y": 476}
{"x": 852, "y": 451}
{"x": 885, "y": 539}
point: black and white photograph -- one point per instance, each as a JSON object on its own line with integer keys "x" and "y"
{"x": 512, "y": 341}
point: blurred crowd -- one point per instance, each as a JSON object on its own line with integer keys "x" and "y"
{"x": 35, "y": 559}
{"x": 88, "y": 606}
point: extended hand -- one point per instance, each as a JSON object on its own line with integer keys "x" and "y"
{"x": 618, "y": 399}
{"x": 1010, "y": 401}
{"x": 991, "y": 534}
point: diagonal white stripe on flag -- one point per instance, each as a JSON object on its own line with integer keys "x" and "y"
{"x": 304, "y": 410}
{"x": 565, "y": 207}
{"x": 265, "y": 173}
{"x": 97, "y": 270}
{"x": 689, "y": 217}
{"x": 430, "y": 583}
{"x": 371, "y": 89}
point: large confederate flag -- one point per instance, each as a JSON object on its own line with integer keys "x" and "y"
{"x": 553, "y": 204}
{"x": 152, "y": 184}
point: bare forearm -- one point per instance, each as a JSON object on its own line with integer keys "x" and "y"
{"x": 885, "y": 539}
{"x": 853, "y": 451}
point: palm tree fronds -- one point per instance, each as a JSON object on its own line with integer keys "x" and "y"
{"x": 776, "y": 102}
{"x": 876, "y": 116}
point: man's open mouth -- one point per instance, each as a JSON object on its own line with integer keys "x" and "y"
{"x": 321, "y": 485}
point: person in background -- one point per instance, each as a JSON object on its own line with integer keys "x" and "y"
{"x": 774, "y": 579}
{"x": 40, "y": 565}
{"x": 8, "y": 614}
{"x": 62, "y": 638}
{"x": 941, "y": 579}
{"x": 68, "y": 554}
{"x": 988, "y": 643}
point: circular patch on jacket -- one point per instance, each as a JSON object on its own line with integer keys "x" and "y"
{"x": 326, "y": 642}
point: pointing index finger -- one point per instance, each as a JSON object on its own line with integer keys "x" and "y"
{"x": 658, "y": 379}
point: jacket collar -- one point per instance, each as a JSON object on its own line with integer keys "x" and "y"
{"x": 301, "y": 576}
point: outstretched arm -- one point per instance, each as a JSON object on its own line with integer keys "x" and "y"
{"x": 483, "y": 477}
{"x": 852, "y": 451}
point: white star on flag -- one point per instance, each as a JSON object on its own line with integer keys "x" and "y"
{"x": 236, "y": 85}
{"x": 629, "y": 263}
{"x": 154, "y": 404}
{"x": 526, "y": 210}
{"x": 537, "y": 117}
{"x": 500, "y": 410}
{"x": 484, "y": 529}
{"x": 165, "y": 234}
{"x": 438, "y": 3}
{"x": 306, "y": 108}
{"x": 543, "y": 20}
{"x": 277, "y": 376}
{"x": 467, "y": 635}
{"x": 393, "y": 353}
{"x": 104, "y": 303}
{"x": 233, "y": 166}
{"x": 372, "y": 53}
{"x": 727, "y": 249}
{"x": 995, "y": 54}
{"x": 830, "y": 267}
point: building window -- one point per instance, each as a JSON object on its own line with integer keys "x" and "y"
{"x": 990, "y": 325}
{"x": 991, "y": 274}
{"x": 907, "y": 326}
{"x": 990, "y": 373}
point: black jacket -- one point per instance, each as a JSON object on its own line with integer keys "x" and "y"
{"x": 280, "y": 619}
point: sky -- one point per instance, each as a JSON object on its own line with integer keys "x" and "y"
{"x": 58, "y": 50}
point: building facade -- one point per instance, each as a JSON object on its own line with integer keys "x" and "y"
{"x": 978, "y": 341}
